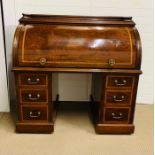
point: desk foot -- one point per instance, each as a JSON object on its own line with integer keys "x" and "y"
{"x": 114, "y": 128}
{"x": 34, "y": 127}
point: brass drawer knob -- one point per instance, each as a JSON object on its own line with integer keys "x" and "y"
{"x": 33, "y": 98}
{"x": 34, "y": 116}
{"x": 43, "y": 61}
{"x": 111, "y": 62}
{"x": 29, "y": 81}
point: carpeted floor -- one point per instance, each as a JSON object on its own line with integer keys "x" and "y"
{"x": 75, "y": 135}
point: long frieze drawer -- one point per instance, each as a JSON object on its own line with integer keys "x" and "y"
{"x": 34, "y": 113}
{"x": 113, "y": 81}
{"x": 118, "y": 97}
{"x": 116, "y": 115}
{"x": 33, "y": 79}
{"x": 33, "y": 95}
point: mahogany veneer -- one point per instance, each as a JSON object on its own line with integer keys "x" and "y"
{"x": 107, "y": 47}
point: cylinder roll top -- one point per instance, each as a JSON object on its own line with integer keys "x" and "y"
{"x": 84, "y": 42}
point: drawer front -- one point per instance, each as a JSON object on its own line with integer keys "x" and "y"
{"x": 33, "y": 79}
{"x": 119, "y": 81}
{"x": 118, "y": 97}
{"x": 116, "y": 115}
{"x": 34, "y": 113}
{"x": 35, "y": 95}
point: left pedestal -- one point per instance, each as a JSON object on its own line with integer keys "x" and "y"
{"x": 34, "y": 102}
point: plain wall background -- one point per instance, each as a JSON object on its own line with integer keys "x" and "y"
{"x": 77, "y": 87}
{"x": 4, "y": 102}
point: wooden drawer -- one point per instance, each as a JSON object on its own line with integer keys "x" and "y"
{"x": 118, "y": 97}
{"x": 116, "y": 115}
{"x": 119, "y": 81}
{"x": 34, "y": 113}
{"x": 33, "y": 79}
{"x": 33, "y": 95}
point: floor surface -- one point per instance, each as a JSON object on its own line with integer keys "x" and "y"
{"x": 75, "y": 135}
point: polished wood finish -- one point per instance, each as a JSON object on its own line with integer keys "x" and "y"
{"x": 24, "y": 127}
{"x": 116, "y": 115}
{"x": 115, "y": 110}
{"x": 34, "y": 113}
{"x": 88, "y": 46}
{"x": 107, "y": 47}
{"x": 75, "y": 20}
{"x": 33, "y": 79}
{"x": 115, "y": 128}
{"x": 118, "y": 97}
{"x": 76, "y": 70}
{"x": 109, "y": 43}
{"x": 33, "y": 95}
{"x": 35, "y": 106}
{"x": 119, "y": 81}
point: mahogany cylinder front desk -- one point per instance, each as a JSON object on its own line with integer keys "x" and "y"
{"x": 107, "y": 47}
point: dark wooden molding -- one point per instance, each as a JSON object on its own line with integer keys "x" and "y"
{"x": 62, "y": 19}
{"x": 79, "y": 70}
